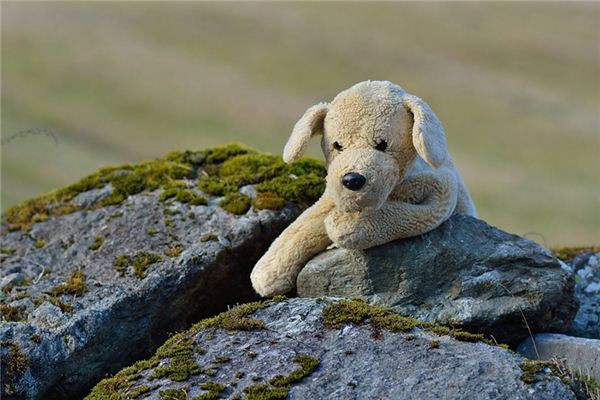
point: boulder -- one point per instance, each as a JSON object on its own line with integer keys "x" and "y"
{"x": 580, "y": 354}
{"x": 329, "y": 349}
{"x": 97, "y": 275}
{"x": 464, "y": 272}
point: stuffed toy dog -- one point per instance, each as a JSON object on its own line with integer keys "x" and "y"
{"x": 389, "y": 176}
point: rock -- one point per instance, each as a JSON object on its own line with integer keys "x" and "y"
{"x": 580, "y": 354}
{"x": 118, "y": 319}
{"x": 249, "y": 191}
{"x": 310, "y": 349}
{"x": 91, "y": 197}
{"x": 464, "y": 272}
{"x": 106, "y": 284}
{"x": 586, "y": 269}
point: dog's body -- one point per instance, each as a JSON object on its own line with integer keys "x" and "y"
{"x": 389, "y": 176}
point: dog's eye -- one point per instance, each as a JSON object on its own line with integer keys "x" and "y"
{"x": 337, "y": 146}
{"x": 381, "y": 146}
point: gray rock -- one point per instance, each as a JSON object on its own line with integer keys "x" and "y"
{"x": 72, "y": 339}
{"x": 11, "y": 280}
{"x": 355, "y": 362}
{"x": 47, "y": 315}
{"x": 586, "y": 269}
{"x": 249, "y": 191}
{"x": 580, "y": 354}
{"x": 465, "y": 271}
{"x": 91, "y": 197}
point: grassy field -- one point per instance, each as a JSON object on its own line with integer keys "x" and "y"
{"x": 517, "y": 86}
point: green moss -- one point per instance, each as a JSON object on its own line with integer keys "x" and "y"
{"x": 182, "y": 365}
{"x": 194, "y": 158}
{"x": 190, "y": 157}
{"x": 128, "y": 183}
{"x": 152, "y": 232}
{"x": 64, "y": 307}
{"x": 268, "y": 200}
{"x": 216, "y": 186}
{"x": 98, "y": 242}
{"x": 11, "y": 313}
{"x": 252, "y": 168}
{"x": 265, "y": 392}
{"x": 39, "y": 218}
{"x": 307, "y": 365}
{"x": 121, "y": 385}
{"x": 303, "y": 189}
{"x": 17, "y": 362}
{"x": 183, "y": 195}
{"x": 307, "y": 166}
{"x": 219, "y": 154}
{"x": 531, "y": 368}
{"x": 214, "y": 391}
{"x": 38, "y": 244}
{"x": 236, "y": 203}
{"x": 137, "y": 392}
{"x": 116, "y": 214}
{"x": 140, "y": 262}
{"x": 345, "y": 312}
{"x": 568, "y": 253}
{"x": 174, "y": 250}
{"x": 173, "y": 394}
{"x": 8, "y": 251}
{"x": 301, "y": 182}
{"x": 279, "y": 386}
{"x": 167, "y": 211}
{"x": 169, "y": 222}
{"x": 236, "y": 318}
{"x": 18, "y": 296}
{"x": 434, "y": 344}
{"x": 16, "y": 365}
{"x": 8, "y": 288}
{"x": 75, "y": 285}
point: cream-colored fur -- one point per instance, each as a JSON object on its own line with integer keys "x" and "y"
{"x": 410, "y": 187}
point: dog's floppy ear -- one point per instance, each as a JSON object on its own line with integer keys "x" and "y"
{"x": 427, "y": 132}
{"x": 309, "y": 125}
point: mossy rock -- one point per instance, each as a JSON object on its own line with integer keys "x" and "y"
{"x": 179, "y": 352}
{"x": 219, "y": 171}
{"x": 95, "y": 275}
{"x": 312, "y": 348}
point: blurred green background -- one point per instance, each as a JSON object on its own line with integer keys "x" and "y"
{"x": 517, "y": 86}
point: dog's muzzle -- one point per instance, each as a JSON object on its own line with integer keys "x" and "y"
{"x": 353, "y": 181}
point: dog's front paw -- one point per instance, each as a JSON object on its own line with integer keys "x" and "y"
{"x": 344, "y": 229}
{"x": 268, "y": 279}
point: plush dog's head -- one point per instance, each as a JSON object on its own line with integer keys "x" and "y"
{"x": 371, "y": 135}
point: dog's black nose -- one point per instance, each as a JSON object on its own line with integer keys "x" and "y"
{"x": 353, "y": 181}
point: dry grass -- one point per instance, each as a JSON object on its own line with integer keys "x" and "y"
{"x": 516, "y": 85}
